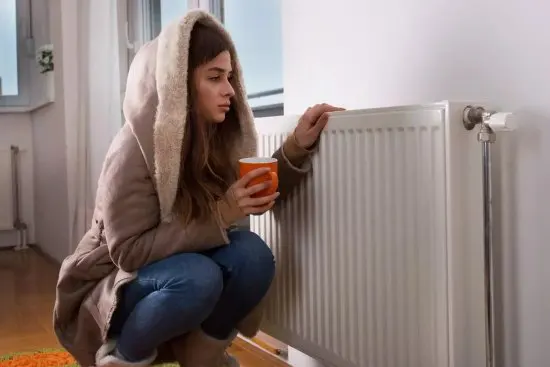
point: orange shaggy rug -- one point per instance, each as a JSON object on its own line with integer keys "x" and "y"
{"x": 39, "y": 358}
{"x": 44, "y": 358}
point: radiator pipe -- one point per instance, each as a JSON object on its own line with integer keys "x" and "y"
{"x": 486, "y": 136}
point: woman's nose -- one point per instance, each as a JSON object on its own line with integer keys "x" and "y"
{"x": 229, "y": 91}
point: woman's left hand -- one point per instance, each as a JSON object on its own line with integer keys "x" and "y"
{"x": 312, "y": 123}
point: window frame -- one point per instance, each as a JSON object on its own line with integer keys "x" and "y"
{"x": 139, "y": 29}
{"x": 24, "y": 33}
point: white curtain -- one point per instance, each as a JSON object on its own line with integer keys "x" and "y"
{"x": 92, "y": 101}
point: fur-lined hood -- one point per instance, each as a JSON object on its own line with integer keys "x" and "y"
{"x": 156, "y": 103}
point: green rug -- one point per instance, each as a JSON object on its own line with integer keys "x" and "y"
{"x": 46, "y": 358}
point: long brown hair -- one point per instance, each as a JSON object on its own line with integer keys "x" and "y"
{"x": 208, "y": 162}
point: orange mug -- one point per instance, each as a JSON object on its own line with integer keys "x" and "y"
{"x": 249, "y": 164}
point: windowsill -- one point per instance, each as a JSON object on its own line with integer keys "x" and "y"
{"x": 24, "y": 109}
{"x": 267, "y": 107}
{"x": 276, "y": 109}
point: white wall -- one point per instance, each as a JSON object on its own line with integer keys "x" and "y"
{"x": 50, "y": 149}
{"x": 362, "y": 54}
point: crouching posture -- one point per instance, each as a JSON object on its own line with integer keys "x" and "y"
{"x": 160, "y": 275}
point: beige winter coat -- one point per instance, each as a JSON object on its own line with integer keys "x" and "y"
{"x": 133, "y": 224}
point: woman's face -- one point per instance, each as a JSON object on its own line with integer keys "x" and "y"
{"x": 213, "y": 89}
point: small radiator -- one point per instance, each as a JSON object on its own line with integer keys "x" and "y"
{"x": 10, "y": 217}
{"x": 379, "y": 252}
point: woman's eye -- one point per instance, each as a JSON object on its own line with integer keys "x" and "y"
{"x": 214, "y": 78}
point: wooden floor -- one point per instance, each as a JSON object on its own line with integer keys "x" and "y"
{"x": 27, "y": 293}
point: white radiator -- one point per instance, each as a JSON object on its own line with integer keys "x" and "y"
{"x": 10, "y": 219}
{"x": 6, "y": 190}
{"x": 380, "y": 250}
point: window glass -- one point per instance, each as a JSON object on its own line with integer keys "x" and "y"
{"x": 171, "y": 10}
{"x": 8, "y": 45}
{"x": 256, "y": 29}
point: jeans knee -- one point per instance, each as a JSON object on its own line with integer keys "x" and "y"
{"x": 256, "y": 258}
{"x": 198, "y": 280}
{"x": 206, "y": 284}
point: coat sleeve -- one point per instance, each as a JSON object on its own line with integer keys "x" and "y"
{"x": 294, "y": 165}
{"x": 130, "y": 210}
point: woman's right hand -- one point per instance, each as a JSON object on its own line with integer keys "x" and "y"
{"x": 242, "y": 193}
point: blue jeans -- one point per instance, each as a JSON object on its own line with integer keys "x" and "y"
{"x": 213, "y": 290}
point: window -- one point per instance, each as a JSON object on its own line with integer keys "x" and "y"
{"x": 146, "y": 18}
{"x": 256, "y": 29}
{"x": 14, "y": 62}
{"x": 254, "y": 25}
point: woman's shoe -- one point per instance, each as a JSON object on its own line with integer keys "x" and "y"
{"x": 106, "y": 356}
{"x": 201, "y": 350}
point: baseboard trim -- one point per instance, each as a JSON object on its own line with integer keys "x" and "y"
{"x": 252, "y": 346}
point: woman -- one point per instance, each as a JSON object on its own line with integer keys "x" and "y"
{"x": 160, "y": 275}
